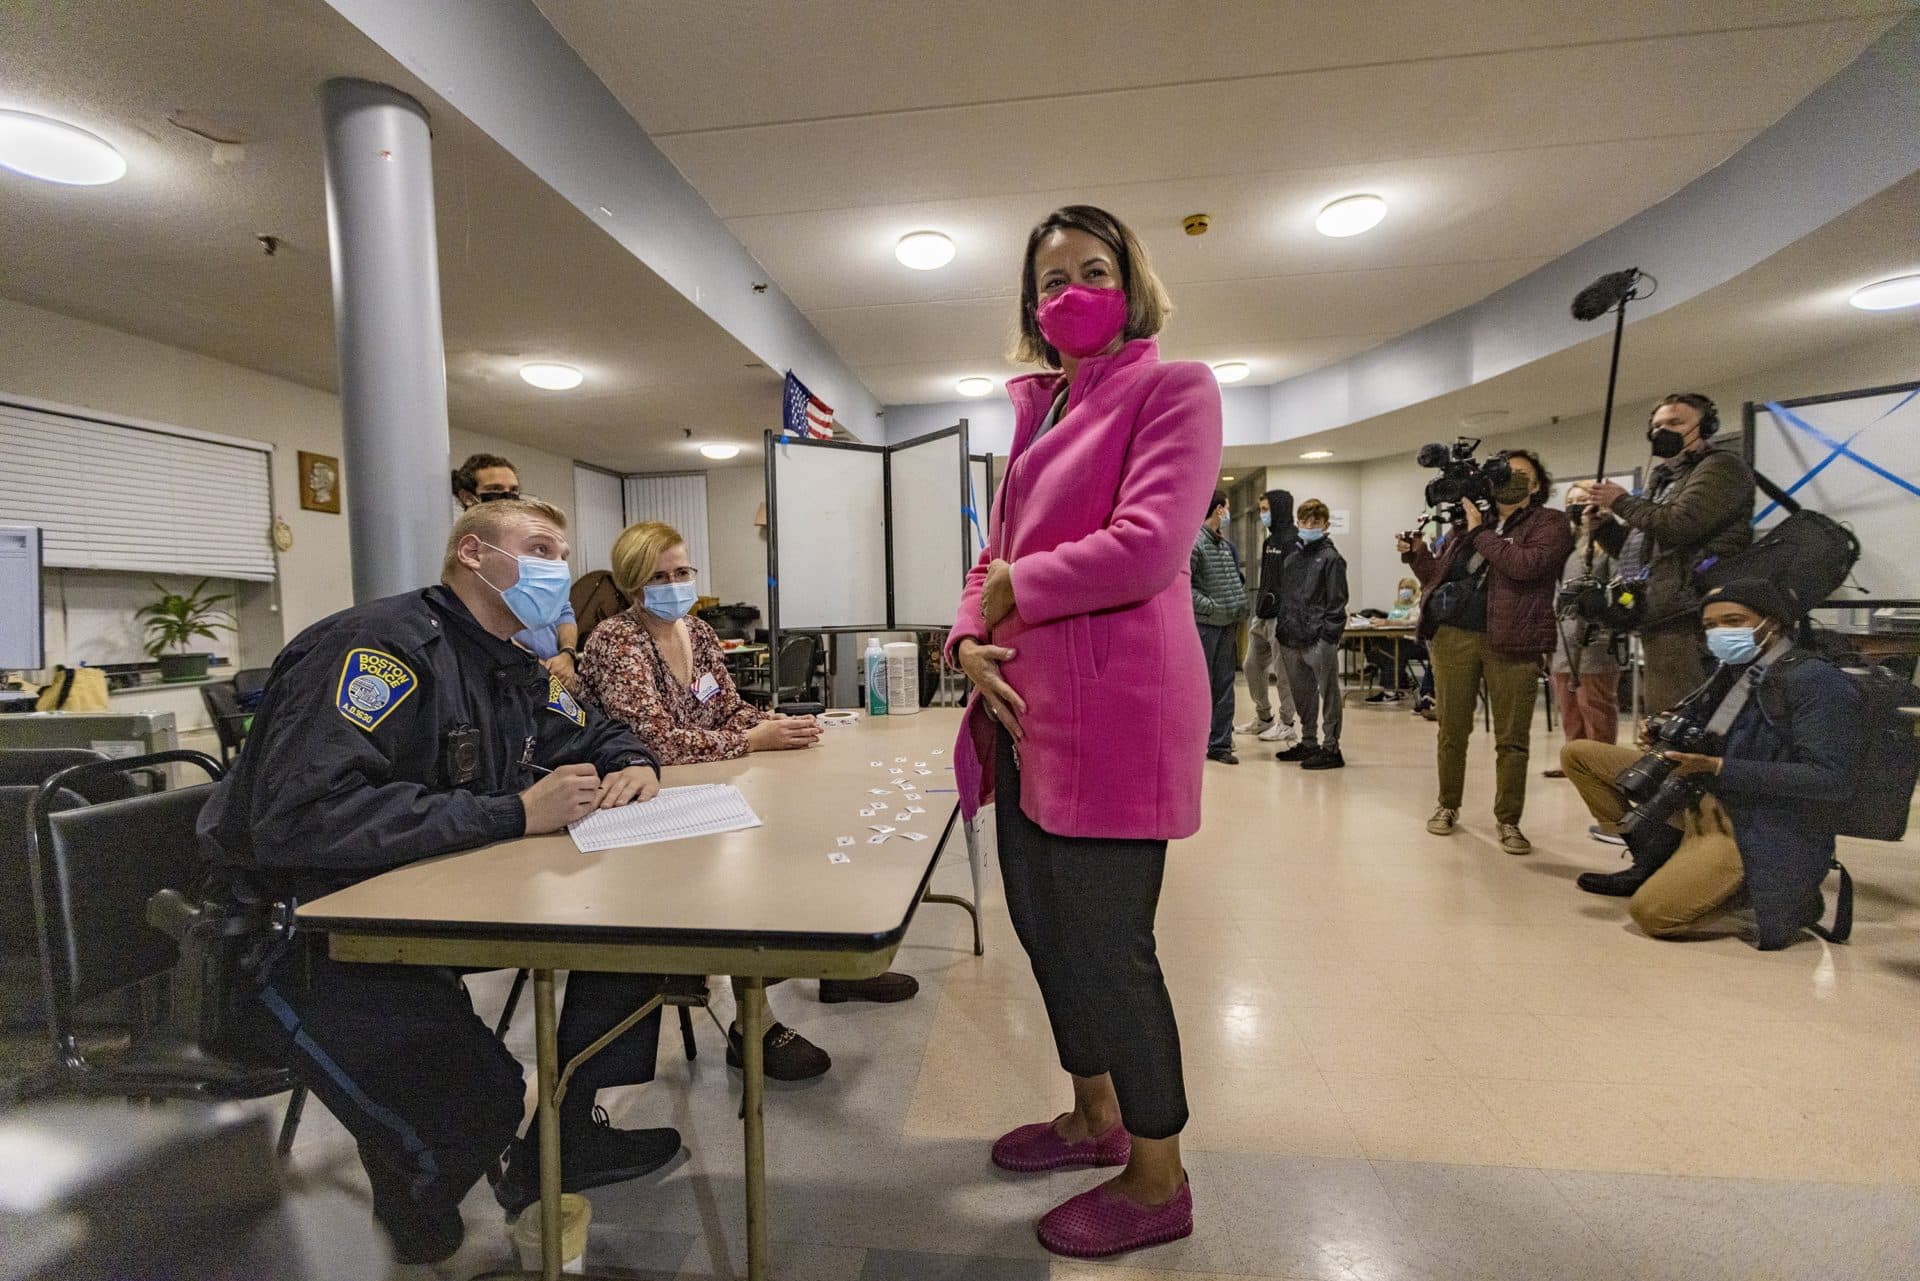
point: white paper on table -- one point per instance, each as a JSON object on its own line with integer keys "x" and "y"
{"x": 676, "y": 813}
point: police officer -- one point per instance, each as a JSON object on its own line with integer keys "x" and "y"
{"x": 395, "y": 731}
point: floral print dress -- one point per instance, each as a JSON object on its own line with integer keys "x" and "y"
{"x": 626, "y": 676}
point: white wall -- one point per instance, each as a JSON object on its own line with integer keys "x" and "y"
{"x": 737, "y": 548}
{"x": 73, "y": 362}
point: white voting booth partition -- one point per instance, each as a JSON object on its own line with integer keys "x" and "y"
{"x": 873, "y": 538}
{"x": 1854, "y": 456}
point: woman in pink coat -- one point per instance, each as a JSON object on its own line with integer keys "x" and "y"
{"x": 1089, "y": 727}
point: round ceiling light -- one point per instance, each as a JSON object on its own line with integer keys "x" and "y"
{"x": 55, "y": 151}
{"x": 1351, "y": 215}
{"x": 1232, "y": 371}
{"x": 1888, "y": 295}
{"x": 1315, "y": 455}
{"x": 974, "y": 386}
{"x": 720, "y": 453}
{"x": 924, "y": 250}
{"x": 552, "y": 377}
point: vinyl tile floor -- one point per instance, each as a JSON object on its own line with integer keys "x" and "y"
{"x": 1407, "y": 1056}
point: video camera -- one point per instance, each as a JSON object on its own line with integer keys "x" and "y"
{"x": 1462, "y": 479}
{"x": 1649, "y": 782}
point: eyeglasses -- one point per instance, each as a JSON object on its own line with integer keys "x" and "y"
{"x": 495, "y": 495}
{"x": 684, "y": 574}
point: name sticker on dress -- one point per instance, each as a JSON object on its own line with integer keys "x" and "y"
{"x": 706, "y": 687}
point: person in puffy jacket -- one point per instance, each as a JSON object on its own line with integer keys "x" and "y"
{"x": 1486, "y": 611}
{"x": 1310, "y": 617}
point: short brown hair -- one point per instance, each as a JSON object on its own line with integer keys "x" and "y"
{"x": 1147, "y": 303}
{"x": 637, "y": 552}
{"x": 491, "y": 521}
{"x": 1312, "y": 509}
{"x": 466, "y": 479}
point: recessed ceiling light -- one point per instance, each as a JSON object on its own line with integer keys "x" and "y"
{"x": 1232, "y": 371}
{"x": 55, "y": 151}
{"x": 1351, "y": 215}
{"x": 1888, "y": 295}
{"x": 552, "y": 377}
{"x": 720, "y": 453}
{"x": 1484, "y": 418}
{"x": 924, "y": 250}
{"x": 1315, "y": 455}
{"x": 974, "y": 386}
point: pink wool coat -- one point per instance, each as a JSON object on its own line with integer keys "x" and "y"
{"x": 1097, "y": 519}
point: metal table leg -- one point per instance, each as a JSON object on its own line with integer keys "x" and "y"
{"x": 753, "y": 1031}
{"x": 972, "y": 906}
{"x": 546, "y": 1033}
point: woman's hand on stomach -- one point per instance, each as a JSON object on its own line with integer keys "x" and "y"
{"x": 981, "y": 663}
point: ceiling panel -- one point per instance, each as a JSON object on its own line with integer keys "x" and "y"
{"x": 1733, "y": 81}
{"x": 724, "y": 63}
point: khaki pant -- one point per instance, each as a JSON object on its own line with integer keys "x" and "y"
{"x": 1674, "y": 667}
{"x": 1460, "y": 659}
{"x": 1263, "y": 660}
{"x": 1702, "y": 874}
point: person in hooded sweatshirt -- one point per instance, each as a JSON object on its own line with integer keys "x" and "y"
{"x": 1311, "y": 619}
{"x": 1267, "y": 684}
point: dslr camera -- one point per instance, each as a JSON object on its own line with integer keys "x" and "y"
{"x": 1462, "y": 479}
{"x": 1649, "y": 782}
{"x": 1617, "y": 606}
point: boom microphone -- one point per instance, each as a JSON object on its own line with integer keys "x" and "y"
{"x": 1604, "y": 294}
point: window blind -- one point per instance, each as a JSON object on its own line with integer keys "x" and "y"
{"x": 111, "y": 495}
{"x": 599, "y": 514}
{"x": 680, "y": 501}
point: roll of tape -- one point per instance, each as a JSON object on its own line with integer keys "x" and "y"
{"x": 839, "y": 720}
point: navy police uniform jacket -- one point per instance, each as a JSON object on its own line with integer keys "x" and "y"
{"x": 392, "y": 732}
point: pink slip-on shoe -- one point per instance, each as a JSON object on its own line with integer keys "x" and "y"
{"x": 1096, "y": 1224}
{"x": 1033, "y": 1148}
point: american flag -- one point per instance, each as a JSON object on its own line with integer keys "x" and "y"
{"x": 805, "y": 413}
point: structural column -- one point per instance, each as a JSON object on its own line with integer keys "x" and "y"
{"x": 386, "y": 306}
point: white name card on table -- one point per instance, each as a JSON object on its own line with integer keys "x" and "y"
{"x": 677, "y": 813}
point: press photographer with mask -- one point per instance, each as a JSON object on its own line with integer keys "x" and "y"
{"x": 1487, "y": 612}
{"x": 1698, "y": 504}
{"x": 1774, "y": 737}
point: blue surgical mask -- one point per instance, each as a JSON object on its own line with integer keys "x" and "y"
{"x": 1734, "y": 645}
{"x": 1266, "y": 520}
{"x": 538, "y": 597}
{"x": 1312, "y": 535}
{"x": 1406, "y": 594}
{"x": 670, "y": 600}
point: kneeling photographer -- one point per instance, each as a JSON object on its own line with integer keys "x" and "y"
{"x": 1735, "y": 786}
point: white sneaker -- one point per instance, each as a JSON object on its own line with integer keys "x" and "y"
{"x": 1255, "y": 726}
{"x": 1276, "y": 733}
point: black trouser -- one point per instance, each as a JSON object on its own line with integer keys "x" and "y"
{"x": 428, "y": 1092}
{"x": 1223, "y": 664}
{"x": 1083, "y": 908}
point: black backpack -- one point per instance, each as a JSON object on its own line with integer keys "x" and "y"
{"x": 1809, "y": 554}
{"x": 1890, "y": 761}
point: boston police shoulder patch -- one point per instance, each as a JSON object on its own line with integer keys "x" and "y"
{"x": 372, "y": 684}
{"x": 558, "y": 700}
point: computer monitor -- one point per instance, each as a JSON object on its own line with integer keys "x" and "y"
{"x": 22, "y": 644}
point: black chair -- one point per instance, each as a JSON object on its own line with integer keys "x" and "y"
{"x": 229, "y": 718}
{"x": 791, "y": 677}
{"x": 249, "y": 683}
{"x": 102, "y": 876}
{"x": 22, "y": 771}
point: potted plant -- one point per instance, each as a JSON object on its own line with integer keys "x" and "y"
{"x": 172, "y": 623}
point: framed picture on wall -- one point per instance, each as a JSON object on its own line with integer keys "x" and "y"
{"x": 319, "y": 483}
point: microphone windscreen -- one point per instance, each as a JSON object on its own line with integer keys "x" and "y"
{"x": 1600, "y": 297}
{"x": 1434, "y": 455}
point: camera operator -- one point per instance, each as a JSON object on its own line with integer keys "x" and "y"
{"x": 1699, "y": 503}
{"x": 1757, "y": 812}
{"x": 1487, "y": 610}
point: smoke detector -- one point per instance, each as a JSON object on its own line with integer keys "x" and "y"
{"x": 1197, "y": 224}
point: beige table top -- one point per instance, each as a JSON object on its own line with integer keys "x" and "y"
{"x": 770, "y": 888}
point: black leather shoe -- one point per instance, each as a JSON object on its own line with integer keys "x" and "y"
{"x": 788, "y": 1056}
{"x": 1619, "y": 884}
{"x": 1298, "y": 752}
{"x": 1325, "y": 758}
{"x": 1225, "y": 756}
{"x": 420, "y": 1235}
{"x": 884, "y": 990}
{"x": 592, "y": 1155}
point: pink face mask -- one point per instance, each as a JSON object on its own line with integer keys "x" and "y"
{"x": 1081, "y": 321}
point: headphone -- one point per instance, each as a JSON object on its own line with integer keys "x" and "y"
{"x": 1709, "y": 412}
